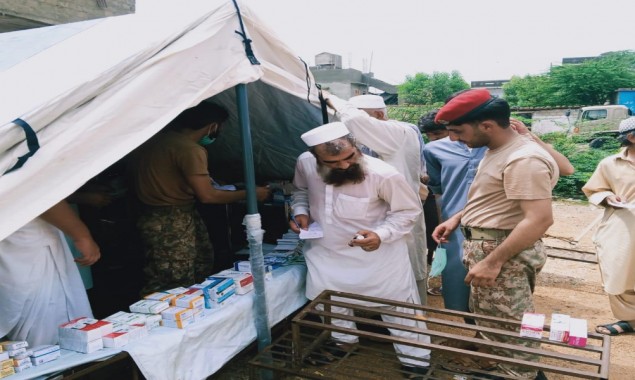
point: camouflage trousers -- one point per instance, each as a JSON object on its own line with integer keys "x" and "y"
{"x": 178, "y": 251}
{"x": 510, "y": 298}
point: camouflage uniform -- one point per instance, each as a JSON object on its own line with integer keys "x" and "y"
{"x": 177, "y": 246}
{"x": 510, "y": 298}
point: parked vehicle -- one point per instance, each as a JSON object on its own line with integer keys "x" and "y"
{"x": 600, "y": 122}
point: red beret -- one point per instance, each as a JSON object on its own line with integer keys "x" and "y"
{"x": 462, "y": 105}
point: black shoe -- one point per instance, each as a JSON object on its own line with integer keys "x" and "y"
{"x": 415, "y": 373}
{"x": 541, "y": 376}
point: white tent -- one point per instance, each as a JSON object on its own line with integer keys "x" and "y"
{"x": 94, "y": 91}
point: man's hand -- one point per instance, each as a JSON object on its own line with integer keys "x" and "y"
{"x": 263, "y": 193}
{"x": 613, "y": 199}
{"x": 483, "y": 274}
{"x": 519, "y": 127}
{"x": 441, "y": 234}
{"x": 299, "y": 222}
{"x": 370, "y": 242}
{"x": 89, "y": 250}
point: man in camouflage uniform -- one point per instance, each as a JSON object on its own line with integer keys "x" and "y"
{"x": 507, "y": 211}
{"x": 169, "y": 174}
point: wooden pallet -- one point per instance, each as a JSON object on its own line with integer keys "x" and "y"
{"x": 376, "y": 359}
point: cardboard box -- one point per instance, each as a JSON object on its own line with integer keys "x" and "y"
{"x": 46, "y": 358}
{"x": 559, "y": 328}
{"x": 577, "y": 332}
{"x": 6, "y": 363}
{"x": 84, "y": 330}
{"x": 149, "y": 306}
{"x": 532, "y": 325}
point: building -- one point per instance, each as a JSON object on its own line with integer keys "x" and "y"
{"x": 27, "y": 14}
{"x": 345, "y": 83}
{"x": 495, "y": 87}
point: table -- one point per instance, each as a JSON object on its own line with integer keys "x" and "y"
{"x": 204, "y": 347}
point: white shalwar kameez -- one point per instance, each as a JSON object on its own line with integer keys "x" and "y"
{"x": 40, "y": 285}
{"x": 382, "y": 203}
{"x": 397, "y": 144}
{"x": 614, "y": 238}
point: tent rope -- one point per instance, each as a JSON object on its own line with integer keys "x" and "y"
{"x": 250, "y": 53}
{"x": 32, "y": 144}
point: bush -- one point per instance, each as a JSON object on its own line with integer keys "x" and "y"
{"x": 583, "y": 158}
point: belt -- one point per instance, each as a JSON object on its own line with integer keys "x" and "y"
{"x": 476, "y": 233}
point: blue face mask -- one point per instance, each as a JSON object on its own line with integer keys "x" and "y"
{"x": 206, "y": 140}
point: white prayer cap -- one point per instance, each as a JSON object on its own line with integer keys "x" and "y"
{"x": 325, "y": 133}
{"x": 367, "y": 101}
{"x": 627, "y": 125}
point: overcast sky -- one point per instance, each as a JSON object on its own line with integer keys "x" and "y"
{"x": 483, "y": 40}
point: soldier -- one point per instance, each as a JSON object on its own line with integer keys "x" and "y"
{"x": 169, "y": 174}
{"x": 508, "y": 209}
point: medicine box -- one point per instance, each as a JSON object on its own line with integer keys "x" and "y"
{"x": 176, "y": 313}
{"x": 84, "y": 330}
{"x": 149, "y": 306}
{"x": 177, "y": 291}
{"x": 44, "y": 349}
{"x": 177, "y": 324}
{"x": 4, "y": 356}
{"x": 37, "y": 360}
{"x": 16, "y": 352}
{"x": 220, "y": 286}
{"x": 26, "y": 365}
{"x": 559, "y": 328}
{"x": 244, "y": 281}
{"x": 4, "y": 372}
{"x": 160, "y": 296}
{"x": 190, "y": 301}
{"x": 532, "y": 325}
{"x": 116, "y": 339}
{"x": 83, "y": 347}
{"x": 9, "y": 345}
{"x": 245, "y": 266}
{"x": 577, "y": 332}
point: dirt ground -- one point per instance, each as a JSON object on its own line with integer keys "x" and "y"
{"x": 564, "y": 286}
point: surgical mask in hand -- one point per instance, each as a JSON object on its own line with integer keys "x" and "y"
{"x": 438, "y": 262}
{"x": 206, "y": 140}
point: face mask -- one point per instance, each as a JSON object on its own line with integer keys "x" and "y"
{"x": 206, "y": 140}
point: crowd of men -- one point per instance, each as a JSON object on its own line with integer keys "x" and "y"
{"x": 364, "y": 179}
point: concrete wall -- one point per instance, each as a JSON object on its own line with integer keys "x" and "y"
{"x": 59, "y": 11}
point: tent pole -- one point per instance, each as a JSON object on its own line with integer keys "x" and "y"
{"x": 252, "y": 221}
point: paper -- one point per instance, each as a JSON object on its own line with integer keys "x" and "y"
{"x": 620, "y": 204}
{"x": 218, "y": 186}
{"x": 314, "y": 232}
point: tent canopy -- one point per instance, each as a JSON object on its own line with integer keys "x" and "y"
{"x": 95, "y": 90}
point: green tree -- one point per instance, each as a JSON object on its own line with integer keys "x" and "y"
{"x": 423, "y": 88}
{"x": 528, "y": 91}
{"x": 589, "y": 83}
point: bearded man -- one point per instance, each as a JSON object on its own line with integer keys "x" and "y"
{"x": 350, "y": 194}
